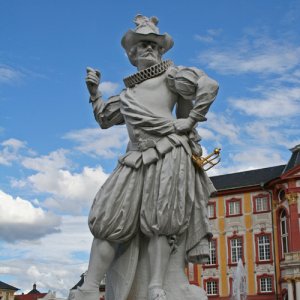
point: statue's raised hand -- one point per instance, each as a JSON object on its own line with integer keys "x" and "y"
{"x": 92, "y": 81}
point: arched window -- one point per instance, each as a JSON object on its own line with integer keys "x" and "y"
{"x": 284, "y": 235}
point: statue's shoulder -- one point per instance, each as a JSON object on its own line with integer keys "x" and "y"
{"x": 183, "y": 80}
{"x": 184, "y": 70}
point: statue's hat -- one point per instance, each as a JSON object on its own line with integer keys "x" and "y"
{"x": 146, "y": 30}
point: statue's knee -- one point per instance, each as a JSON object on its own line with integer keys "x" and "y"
{"x": 105, "y": 249}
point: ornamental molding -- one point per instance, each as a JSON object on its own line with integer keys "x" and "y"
{"x": 265, "y": 268}
{"x": 288, "y": 279}
{"x": 291, "y": 198}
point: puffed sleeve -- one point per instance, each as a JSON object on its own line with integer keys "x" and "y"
{"x": 193, "y": 84}
{"x": 108, "y": 113}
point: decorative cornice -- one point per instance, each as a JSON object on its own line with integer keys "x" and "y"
{"x": 290, "y": 279}
{"x": 148, "y": 73}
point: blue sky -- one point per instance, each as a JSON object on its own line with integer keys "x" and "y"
{"x": 53, "y": 157}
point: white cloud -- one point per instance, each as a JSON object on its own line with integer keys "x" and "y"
{"x": 205, "y": 133}
{"x": 17, "y": 183}
{"x": 10, "y": 151}
{"x": 248, "y": 158}
{"x": 53, "y": 180}
{"x": 204, "y": 38}
{"x": 256, "y": 158}
{"x": 222, "y": 126}
{"x": 209, "y": 36}
{"x": 101, "y": 143}
{"x": 257, "y": 54}
{"x": 14, "y": 143}
{"x": 108, "y": 88}
{"x": 292, "y": 77}
{"x": 8, "y": 74}
{"x": 55, "y": 160}
{"x": 20, "y": 220}
{"x": 68, "y": 191}
{"x": 273, "y": 102}
{"x": 55, "y": 262}
{"x": 273, "y": 133}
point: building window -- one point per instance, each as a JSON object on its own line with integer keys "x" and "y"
{"x": 235, "y": 249}
{"x": 211, "y": 210}
{"x": 284, "y": 232}
{"x": 211, "y": 286}
{"x": 261, "y": 203}
{"x": 233, "y": 207}
{"x": 263, "y": 248}
{"x": 212, "y": 252}
{"x": 281, "y": 195}
{"x": 265, "y": 284}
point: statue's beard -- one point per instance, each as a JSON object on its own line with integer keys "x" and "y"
{"x": 148, "y": 59}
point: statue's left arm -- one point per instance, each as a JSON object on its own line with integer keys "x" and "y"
{"x": 192, "y": 84}
{"x": 206, "y": 93}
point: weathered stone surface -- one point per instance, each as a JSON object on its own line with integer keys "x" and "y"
{"x": 150, "y": 216}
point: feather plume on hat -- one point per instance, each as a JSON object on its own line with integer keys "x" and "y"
{"x": 146, "y": 30}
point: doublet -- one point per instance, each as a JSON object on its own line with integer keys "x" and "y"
{"x": 155, "y": 188}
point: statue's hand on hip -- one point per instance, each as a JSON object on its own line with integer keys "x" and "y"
{"x": 92, "y": 81}
{"x": 184, "y": 125}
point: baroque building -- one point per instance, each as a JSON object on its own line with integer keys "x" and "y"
{"x": 255, "y": 218}
{"x": 7, "y": 291}
{"x": 35, "y": 294}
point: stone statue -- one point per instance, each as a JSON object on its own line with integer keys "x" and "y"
{"x": 150, "y": 216}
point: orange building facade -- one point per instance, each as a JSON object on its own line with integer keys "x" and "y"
{"x": 255, "y": 217}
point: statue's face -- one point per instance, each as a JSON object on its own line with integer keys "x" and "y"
{"x": 147, "y": 54}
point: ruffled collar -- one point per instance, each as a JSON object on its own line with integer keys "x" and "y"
{"x": 148, "y": 73}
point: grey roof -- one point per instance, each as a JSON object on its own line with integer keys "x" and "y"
{"x": 294, "y": 160}
{"x": 6, "y": 286}
{"x": 246, "y": 178}
{"x": 34, "y": 291}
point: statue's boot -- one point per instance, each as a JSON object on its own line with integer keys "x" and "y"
{"x": 156, "y": 293}
{"x": 82, "y": 294}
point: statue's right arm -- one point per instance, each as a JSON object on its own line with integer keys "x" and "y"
{"x": 107, "y": 113}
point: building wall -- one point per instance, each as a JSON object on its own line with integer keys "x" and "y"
{"x": 289, "y": 262}
{"x": 281, "y": 271}
{"x": 6, "y": 294}
{"x": 247, "y": 225}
